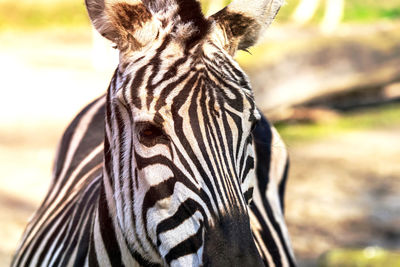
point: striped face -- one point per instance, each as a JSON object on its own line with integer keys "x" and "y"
{"x": 180, "y": 145}
{"x": 179, "y": 158}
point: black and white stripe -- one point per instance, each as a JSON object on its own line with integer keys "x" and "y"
{"x": 175, "y": 166}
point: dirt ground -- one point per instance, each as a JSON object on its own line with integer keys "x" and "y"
{"x": 343, "y": 191}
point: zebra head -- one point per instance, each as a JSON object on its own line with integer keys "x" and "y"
{"x": 179, "y": 159}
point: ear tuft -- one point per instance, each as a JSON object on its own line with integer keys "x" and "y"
{"x": 239, "y": 29}
{"x": 127, "y": 24}
{"x": 130, "y": 20}
{"x": 129, "y": 17}
{"x": 239, "y": 25}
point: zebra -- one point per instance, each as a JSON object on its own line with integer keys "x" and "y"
{"x": 174, "y": 165}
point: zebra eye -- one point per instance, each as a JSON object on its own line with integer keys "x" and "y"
{"x": 150, "y": 131}
{"x": 150, "y": 134}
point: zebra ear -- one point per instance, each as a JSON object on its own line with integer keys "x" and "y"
{"x": 127, "y": 23}
{"x": 239, "y": 25}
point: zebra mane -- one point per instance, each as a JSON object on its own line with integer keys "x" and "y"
{"x": 186, "y": 17}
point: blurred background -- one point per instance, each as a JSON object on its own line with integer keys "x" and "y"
{"x": 327, "y": 73}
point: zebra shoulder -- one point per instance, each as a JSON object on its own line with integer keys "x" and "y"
{"x": 85, "y": 132}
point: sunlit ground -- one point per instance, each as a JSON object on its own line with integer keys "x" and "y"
{"x": 47, "y": 77}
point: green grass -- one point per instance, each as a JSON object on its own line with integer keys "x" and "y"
{"x": 355, "y": 10}
{"x": 370, "y": 10}
{"x": 20, "y": 15}
{"x": 375, "y": 118}
{"x": 370, "y": 257}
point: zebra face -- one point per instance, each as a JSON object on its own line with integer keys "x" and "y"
{"x": 185, "y": 151}
{"x": 179, "y": 158}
